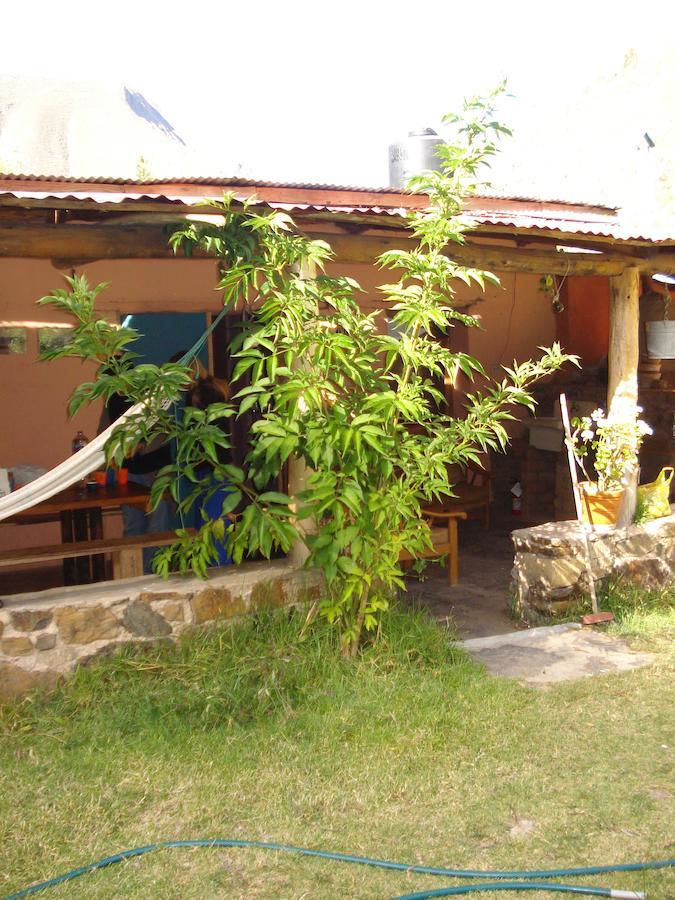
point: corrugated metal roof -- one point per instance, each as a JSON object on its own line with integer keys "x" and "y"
{"x": 182, "y": 200}
{"x": 564, "y": 218}
{"x": 498, "y": 212}
{"x": 617, "y": 230}
{"x": 202, "y": 179}
{"x": 235, "y": 181}
{"x": 197, "y": 200}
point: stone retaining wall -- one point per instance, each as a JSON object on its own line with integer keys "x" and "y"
{"x": 45, "y": 635}
{"x": 550, "y": 573}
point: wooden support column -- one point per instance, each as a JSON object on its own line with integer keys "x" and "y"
{"x": 624, "y": 342}
{"x": 297, "y": 480}
{"x": 623, "y": 357}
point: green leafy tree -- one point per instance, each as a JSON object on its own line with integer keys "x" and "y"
{"x": 360, "y": 408}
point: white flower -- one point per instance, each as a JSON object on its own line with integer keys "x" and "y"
{"x": 643, "y": 428}
{"x": 597, "y": 414}
{"x": 587, "y": 435}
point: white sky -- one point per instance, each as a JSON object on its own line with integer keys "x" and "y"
{"x": 315, "y": 91}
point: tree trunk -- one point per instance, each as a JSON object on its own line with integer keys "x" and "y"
{"x": 352, "y": 648}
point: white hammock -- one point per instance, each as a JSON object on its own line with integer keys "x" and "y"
{"x": 70, "y": 471}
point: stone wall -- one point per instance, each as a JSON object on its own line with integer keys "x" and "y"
{"x": 550, "y": 572}
{"x": 45, "y": 635}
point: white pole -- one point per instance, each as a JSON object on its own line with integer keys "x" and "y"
{"x": 577, "y": 499}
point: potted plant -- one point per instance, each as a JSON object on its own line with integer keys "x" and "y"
{"x": 614, "y": 442}
{"x": 661, "y": 333}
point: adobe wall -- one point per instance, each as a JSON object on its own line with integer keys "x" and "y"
{"x": 515, "y": 317}
{"x": 34, "y": 395}
{"x": 45, "y": 636}
{"x": 583, "y": 324}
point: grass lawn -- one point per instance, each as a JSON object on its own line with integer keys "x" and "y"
{"x": 412, "y": 753}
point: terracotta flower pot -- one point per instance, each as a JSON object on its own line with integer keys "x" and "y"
{"x": 599, "y": 507}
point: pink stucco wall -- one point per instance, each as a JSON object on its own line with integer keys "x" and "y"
{"x": 515, "y": 316}
{"x": 33, "y": 395}
{"x": 515, "y": 319}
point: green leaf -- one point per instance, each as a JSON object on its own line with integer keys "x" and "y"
{"x": 247, "y": 403}
{"x": 231, "y": 502}
{"x": 348, "y": 566}
{"x": 274, "y": 497}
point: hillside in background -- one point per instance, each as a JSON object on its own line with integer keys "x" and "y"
{"x": 80, "y": 129}
{"x": 613, "y": 143}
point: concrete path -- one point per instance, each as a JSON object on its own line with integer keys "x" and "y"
{"x": 477, "y": 607}
{"x": 555, "y": 653}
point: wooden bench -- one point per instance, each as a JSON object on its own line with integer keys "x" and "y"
{"x": 126, "y": 552}
{"x": 443, "y": 538}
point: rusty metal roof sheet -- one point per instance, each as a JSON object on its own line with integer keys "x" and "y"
{"x": 197, "y": 200}
{"x": 501, "y": 213}
{"x": 222, "y": 182}
{"x": 572, "y": 219}
{"x": 201, "y": 179}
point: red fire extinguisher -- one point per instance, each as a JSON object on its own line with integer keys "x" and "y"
{"x": 516, "y": 499}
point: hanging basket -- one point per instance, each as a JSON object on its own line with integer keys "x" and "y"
{"x": 599, "y": 507}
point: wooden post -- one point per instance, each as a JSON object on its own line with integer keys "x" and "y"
{"x": 624, "y": 341}
{"x": 623, "y": 357}
{"x": 128, "y": 563}
{"x": 453, "y": 561}
{"x": 297, "y": 479}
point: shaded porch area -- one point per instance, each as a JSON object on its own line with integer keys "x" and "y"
{"x": 512, "y": 577}
{"x": 478, "y": 605}
{"x": 120, "y": 236}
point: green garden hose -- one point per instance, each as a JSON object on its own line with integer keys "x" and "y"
{"x": 528, "y": 881}
{"x": 524, "y": 886}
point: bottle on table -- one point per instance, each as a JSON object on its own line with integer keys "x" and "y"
{"x": 79, "y": 441}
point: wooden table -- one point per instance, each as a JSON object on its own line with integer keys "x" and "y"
{"x": 80, "y": 512}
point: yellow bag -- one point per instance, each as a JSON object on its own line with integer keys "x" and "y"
{"x": 653, "y": 498}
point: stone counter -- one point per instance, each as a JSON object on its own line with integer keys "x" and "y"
{"x": 45, "y": 635}
{"x": 550, "y": 573}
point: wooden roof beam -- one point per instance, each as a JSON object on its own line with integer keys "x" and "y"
{"x": 70, "y": 241}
